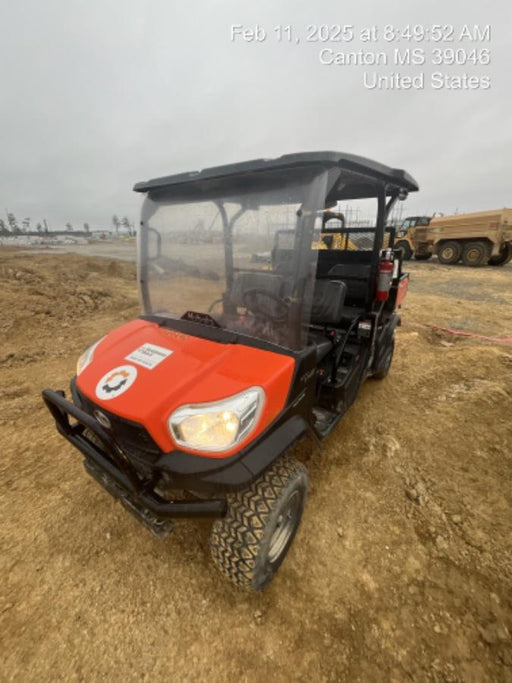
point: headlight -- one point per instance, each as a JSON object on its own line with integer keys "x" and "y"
{"x": 220, "y": 425}
{"x": 86, "y": 357}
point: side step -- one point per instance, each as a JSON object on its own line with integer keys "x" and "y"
{"x": 159, "y": 527}
{"x": 325, "y": 420}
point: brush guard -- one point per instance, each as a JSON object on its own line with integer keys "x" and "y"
{"x": 110, "y": 467}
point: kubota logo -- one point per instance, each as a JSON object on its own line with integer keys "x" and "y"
{"x": 116, "y": 382}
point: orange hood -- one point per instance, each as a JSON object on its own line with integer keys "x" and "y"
{"x": 143, "y": 372}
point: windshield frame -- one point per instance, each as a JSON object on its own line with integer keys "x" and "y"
{"x": 310, "y": 184}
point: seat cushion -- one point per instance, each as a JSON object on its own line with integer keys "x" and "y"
{"x": 351, "y": 313}
{"x": 323, "y": 344}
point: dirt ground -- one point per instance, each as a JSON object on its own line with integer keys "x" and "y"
{"x": 402, "y": 567}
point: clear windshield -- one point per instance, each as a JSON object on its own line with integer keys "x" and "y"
{"x": 209, "y": 256}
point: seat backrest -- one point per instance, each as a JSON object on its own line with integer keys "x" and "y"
{"x": 327, "y": 258}
{"x": 351, "y": 271}
{"x": 353, "y": 268}
{"x": 328, "y": 302}
{"x": 250, "y": 280}
{"x": 357, "y": 279}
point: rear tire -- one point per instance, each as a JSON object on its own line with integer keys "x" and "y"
{"x": 384, "y": 363}
{"x": 405, "y": 248}
{"x": 503, "y": 257}
{"x": 475, "y": 254}
{"x": 249, "y": 544}
{"x": 449, "y": 252}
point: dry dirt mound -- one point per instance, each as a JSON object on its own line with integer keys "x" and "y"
{"x": 402, "y": 568}
{"x": 53, "y": 297}
{"x": 62, "y": 287}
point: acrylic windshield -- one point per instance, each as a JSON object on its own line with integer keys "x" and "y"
{"x": 209, "y": 254}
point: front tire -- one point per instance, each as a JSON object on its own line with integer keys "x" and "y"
{"x": 249, "y": 544}
{"x": 405, "y": 248}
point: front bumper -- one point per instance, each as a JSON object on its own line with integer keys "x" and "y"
{"x": 132, "y": 458}
{"x": 207, "y": 476}
{"x": 113, "y": 470}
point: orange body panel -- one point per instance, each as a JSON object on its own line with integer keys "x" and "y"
{"x": 196, "y": 371}
{"x": 403, "y": 286}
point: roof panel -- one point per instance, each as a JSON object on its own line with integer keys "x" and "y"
{"x": 326, "y": 159}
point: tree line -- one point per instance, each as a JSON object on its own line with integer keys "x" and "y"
{"x": 12, "y": 226}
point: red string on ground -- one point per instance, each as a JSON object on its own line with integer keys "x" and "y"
{"x": 462, "y": 333}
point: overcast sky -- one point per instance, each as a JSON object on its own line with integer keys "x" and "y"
{"x": 97, "y": 95}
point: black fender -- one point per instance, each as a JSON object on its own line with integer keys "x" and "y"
{"x": 237, "y": 472}
{"x": 385, "y": 338}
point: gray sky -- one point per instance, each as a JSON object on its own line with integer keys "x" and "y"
{"x": 100, "y": 94}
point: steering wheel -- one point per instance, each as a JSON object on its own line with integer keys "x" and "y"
{"x": 250, "y": 299}
{"x": 214, "y": 303}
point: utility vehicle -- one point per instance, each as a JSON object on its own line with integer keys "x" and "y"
{"x": 191, "y": 409}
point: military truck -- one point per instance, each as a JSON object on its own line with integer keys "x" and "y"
{"x": 476, "y": 239}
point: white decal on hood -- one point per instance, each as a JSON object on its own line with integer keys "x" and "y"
{"x": 116, "y": 382}
{"x": 149, "y": 355}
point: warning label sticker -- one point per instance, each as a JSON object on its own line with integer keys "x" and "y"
{"x": 149, "y": 355}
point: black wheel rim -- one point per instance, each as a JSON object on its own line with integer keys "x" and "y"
{"x": 284, "y": 527}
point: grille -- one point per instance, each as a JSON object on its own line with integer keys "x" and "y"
{"x": 131, "y": 437}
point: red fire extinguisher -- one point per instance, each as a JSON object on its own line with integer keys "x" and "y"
{"x": 385, "y": 275}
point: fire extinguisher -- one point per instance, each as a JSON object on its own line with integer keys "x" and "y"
{"x": 385, "y": 275}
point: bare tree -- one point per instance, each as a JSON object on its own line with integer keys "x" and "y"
{"x": 126, "y": 224}
{"x": 4, "y": 230}
{"x": 13, "y": 223}
{"x": 116, "y": 223}
{"x": 39, "y": 227}
{"x": 87, "y": 228}
{"x": 69, "y": 227}
{"x": 26, "y": 224}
